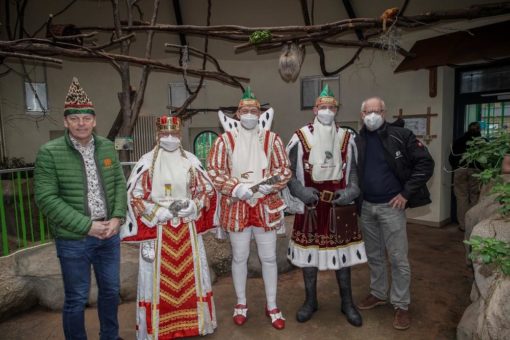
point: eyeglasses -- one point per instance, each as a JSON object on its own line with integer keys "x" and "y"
{"x": 252, "y": 111}
{"x": 379, "y": 112}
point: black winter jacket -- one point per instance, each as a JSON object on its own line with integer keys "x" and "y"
{"x": 407, "y": 157}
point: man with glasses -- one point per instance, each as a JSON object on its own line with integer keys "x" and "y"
{"x": 81, "y": 189}
{"x": 393, "y": 170}
{"x": 322, "y": 157}
{"x": 248, "y": 167}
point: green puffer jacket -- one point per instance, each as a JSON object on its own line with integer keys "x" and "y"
{"x": 61, "y": 185}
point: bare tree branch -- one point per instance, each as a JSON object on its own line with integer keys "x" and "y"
{"x": 140, "y": 93}
{"x": 30, "y": 57}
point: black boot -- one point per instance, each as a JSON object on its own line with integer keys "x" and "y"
{"x": 310, "y": 306}
{"x": 343, "y": 277}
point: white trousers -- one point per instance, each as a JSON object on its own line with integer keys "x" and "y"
{"x": 266, "y": 245}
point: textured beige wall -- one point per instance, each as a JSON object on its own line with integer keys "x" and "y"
{"x": 371, "y": 75}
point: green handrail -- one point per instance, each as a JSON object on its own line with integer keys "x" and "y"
{"x": 5, "y": 243}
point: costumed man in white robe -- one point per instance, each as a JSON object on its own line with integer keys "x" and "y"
{"x": 171, "y": 201}
{"x": 322, "y": 157}
{"x": 240, "y": 159}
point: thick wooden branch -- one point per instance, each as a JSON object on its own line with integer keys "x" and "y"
{"x": 30, "y": 57}
{"x": 473, "y": 12}
{"x": 140, "y": 92}
{"x": 45, "y": 49}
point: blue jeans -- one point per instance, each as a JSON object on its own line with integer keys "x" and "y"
{"x": 76, "y": 258}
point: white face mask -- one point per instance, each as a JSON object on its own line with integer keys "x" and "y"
{"x": 169, "y": 143}
{"x": 373, "y": 121}
{"x": 326, "y": 116}
{"x": 249, "y": 121}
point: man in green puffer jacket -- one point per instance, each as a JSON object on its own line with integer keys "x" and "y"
{"x": 80, "y": 187}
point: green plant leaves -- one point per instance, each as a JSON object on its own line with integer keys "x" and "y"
{"x": 258, "y": 37}
{"x": 489, "y": 250}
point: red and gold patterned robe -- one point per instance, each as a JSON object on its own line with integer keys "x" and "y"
{"x": 174, "y": 287}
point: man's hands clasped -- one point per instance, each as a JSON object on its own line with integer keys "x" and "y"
{"x": 105, "y": 229}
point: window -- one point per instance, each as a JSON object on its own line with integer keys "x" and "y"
{"x": 203, "y": 143}
{"x": 177, "y": 93}
{"x": 36, "y": 98}
{"x": 312, "y": 86}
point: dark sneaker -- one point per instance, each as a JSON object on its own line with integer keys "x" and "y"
{"x": 370, "y": 302}
{"x": 402, "y": 319}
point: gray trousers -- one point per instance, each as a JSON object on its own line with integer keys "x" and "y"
{"x": 384, "y": 231}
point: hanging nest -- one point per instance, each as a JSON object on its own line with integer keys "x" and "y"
{"x": 291, "y": 60}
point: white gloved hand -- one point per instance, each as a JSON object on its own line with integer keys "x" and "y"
{"x": 265, "y": 189}
{"x": 243, "y": 192}
{"x": 163, "y": 215}
{"x": 190, "y": 211}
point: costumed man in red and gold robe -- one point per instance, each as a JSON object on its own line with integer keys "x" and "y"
{"x": 322, "y": 157}
{"x": 248, "y": 166}
{"x": 171, "y": 202}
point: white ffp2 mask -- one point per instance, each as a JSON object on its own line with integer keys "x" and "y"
{"x": 326, "y": 116}
{"x": 249, "y": 121}
{"x": 373, "y": 121}
{"x": 169, "y": 143}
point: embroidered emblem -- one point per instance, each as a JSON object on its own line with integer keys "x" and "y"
{"x": 398, "y": 154}
{"x": 107, "y": 162}
{"x": 246, "y": 175}
{"x": 168, "y": 190}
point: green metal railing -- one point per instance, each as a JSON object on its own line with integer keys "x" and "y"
{"x": 22, "y": 224}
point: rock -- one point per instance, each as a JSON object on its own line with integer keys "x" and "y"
{"x": 129, "y": 271}
{"x": 467, "y": 325}
{"x": 497, "y": 312}
{"x": 15, "y": 292}
{"x": 487, "y": 317}
{"x": 32, "y": 276}
{"x": 219, "y": 254}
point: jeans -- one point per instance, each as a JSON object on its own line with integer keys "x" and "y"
{"x": 76, "y": 258}
{"x": 384, "y": 231}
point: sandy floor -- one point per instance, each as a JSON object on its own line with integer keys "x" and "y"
{"x": 440, "y": 292}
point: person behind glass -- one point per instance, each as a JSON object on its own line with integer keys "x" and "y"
{"x": 465, "y": 186}
{"x": 322, "y": 158}
{"x": 238, "y": 160}
{"x": 171, "y": 203}
{"x": 81, "y": 189}
{"x": 393, "y": 170}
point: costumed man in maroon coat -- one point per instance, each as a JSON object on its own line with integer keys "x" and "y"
{"x": 322, "y": 157}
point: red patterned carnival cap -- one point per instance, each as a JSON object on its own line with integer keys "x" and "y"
{"x": 77, "y": 100}
{"x": 168, "y": 124}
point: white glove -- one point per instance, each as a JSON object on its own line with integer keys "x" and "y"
{"x": 190, "y": 211}
{"x": 243, "y": 192}
{"x": 163, "y": 215}
{"x": 265, "y": 189}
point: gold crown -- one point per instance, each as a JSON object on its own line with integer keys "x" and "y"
{"x": 165, "y": 123}
{"x": 326, "y": 100}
